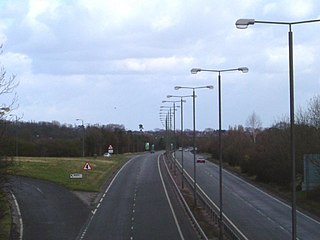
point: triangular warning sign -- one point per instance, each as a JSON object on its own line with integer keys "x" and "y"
{"x": 87, "y": 166}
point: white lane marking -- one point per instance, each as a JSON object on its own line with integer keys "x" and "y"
{"x": 93, "y": 212}
{"x": 39, "y": 190}
{"x": 19, "y": 215}
{"x": 246, "y": 202}
{"x": 265, "y": 193}
{"x": 165, "y": 190}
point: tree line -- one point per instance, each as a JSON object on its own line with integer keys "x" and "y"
{"x": 52, "y": 139}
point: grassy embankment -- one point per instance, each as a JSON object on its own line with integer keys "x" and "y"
{"x": 58, "y": 170}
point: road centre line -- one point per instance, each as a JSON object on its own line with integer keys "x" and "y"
{"x": 165, "y": 190}
{"x": 249, "y": 204}
{"x": 267, "y": 194}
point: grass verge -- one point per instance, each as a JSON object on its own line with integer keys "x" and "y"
{"x": 58, "y": 170}
{"x": 5, "y": 217}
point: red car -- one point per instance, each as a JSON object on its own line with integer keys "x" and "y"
{"x": 201, "y": 160}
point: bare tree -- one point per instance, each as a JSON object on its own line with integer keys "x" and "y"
{"x": 7, "y": 86}
{"x": 313, "y": 111}
{"x": 253, "y": 124}
{"x": 301, "y": 117}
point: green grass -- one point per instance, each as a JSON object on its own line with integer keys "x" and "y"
{"x": 5, "y": 217}
{"x": 58, "y": 170}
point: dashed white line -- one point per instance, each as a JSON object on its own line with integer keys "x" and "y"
{"x": 39, "y": 190}
{"x": 93, "y": 212}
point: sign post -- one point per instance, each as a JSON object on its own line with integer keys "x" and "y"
{"x": 110, "y": 149}
{"x": 87, "y": 167}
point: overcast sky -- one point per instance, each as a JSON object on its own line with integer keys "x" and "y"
{"x": 115, "y": 61}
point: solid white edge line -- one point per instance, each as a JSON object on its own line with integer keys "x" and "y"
{"x": 185, "y": 203}
{"x": 165, "y": 190}
{"x": 19, "y": 215}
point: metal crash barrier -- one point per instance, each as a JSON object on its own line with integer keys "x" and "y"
{"x": 229, "y": 228}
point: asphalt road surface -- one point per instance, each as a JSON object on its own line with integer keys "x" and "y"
{"x": 257, "y": 214}
{"x": 48, "y": 211}
{"x": 136, "y": 205}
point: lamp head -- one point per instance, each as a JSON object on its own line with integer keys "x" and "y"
{"x": 177, "y": 87}
{"x": 169, "y": 96}
{"x": 243, "y": 69}
{"x": 210, "y": 87}
{"x": 244, "y": 23}
{"x": 195, "y": 70}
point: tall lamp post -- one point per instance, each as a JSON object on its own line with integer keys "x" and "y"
{"x": 168, "y": 125}
{"x": 181, "y": 132}
{"x": 78, "y": 119}
{"x": 219, "y": 71}
{"x": 194, "y": 136}
{"x": 243, "y": 24}
{"x": 174, "y": 128}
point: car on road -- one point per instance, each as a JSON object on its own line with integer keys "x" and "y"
{"x": 201, "y": 160}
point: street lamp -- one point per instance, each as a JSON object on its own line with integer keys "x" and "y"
{"x": 219, "y": 71}
{"x": 194, "y": 136}
{"x": 181, "y": 104}
{"x": 78, "y": 119}
{"x": 243, "y": 24}
{"x": 174, "y": 128}
{"x": 168, "y": 125}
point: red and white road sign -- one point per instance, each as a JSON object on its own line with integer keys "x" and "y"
{"x": 87, "y": 166}
{"x": 110, "y": 149}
